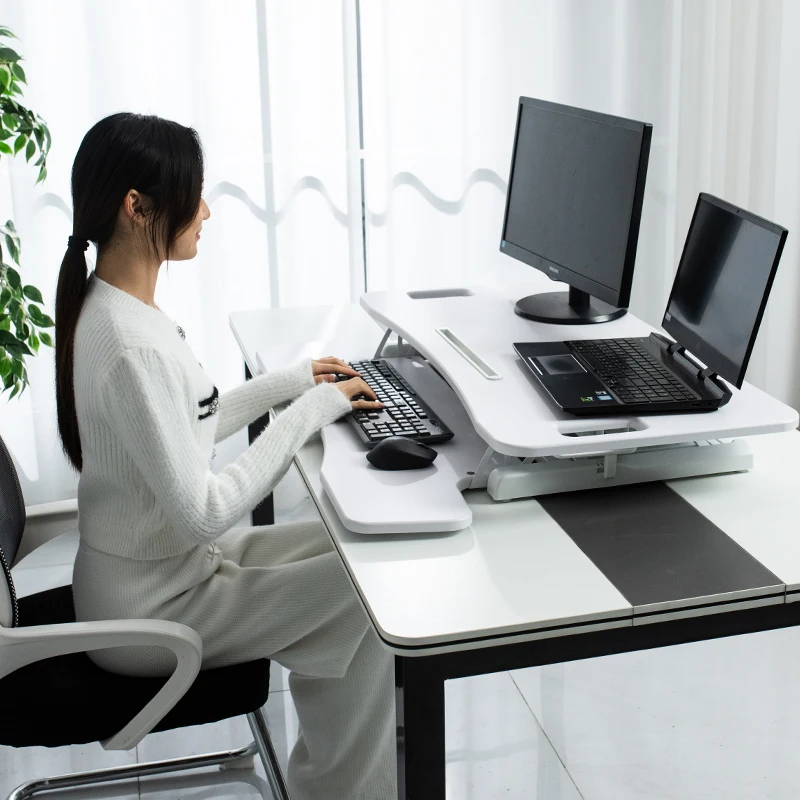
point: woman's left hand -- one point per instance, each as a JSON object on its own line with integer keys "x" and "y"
{"x": 326, "y": 369}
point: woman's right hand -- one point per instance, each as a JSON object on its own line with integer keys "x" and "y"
{"x": 353, "y": 389}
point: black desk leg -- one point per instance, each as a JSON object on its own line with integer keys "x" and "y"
{"x": 419, "y": 698}
{"x": 264, "y": 512}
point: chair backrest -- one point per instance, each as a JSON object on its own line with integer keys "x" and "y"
{"x": 12, "y": 524}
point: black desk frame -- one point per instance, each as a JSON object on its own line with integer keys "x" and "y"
{"x": 419, "y": 681}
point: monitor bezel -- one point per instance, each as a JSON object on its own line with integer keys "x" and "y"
{"x": 709, "y": 355}
{"x": 559, "y": 272}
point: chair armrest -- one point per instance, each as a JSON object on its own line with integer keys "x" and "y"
{"x": 22, "y": 646}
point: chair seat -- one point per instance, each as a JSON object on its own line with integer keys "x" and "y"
{"x": 70, "y": 700}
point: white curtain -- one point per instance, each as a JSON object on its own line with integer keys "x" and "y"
{"x": 366, "y": 144}
{"x": 716, "y": 78}
{"x": 264, "y": 85}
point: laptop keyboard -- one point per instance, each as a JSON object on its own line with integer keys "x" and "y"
{"x": 406, "y": 413}
{"x": 630, "y": 371}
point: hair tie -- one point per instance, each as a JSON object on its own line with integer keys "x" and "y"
{"x": 77, "y": 243}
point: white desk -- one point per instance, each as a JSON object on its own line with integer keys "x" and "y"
{"x": 517, "y": 589}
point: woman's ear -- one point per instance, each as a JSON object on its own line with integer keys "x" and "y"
{"x": 134, "y": 206}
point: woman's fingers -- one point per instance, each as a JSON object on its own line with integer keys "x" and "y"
{"x": 333, "y": 366}
{"x": 324, "y": 379}
{"x": 364, "y": 405}
{"x": 357, "y": 390}
{"x": 334, "y": 360}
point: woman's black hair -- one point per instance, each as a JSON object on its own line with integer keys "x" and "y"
{"x": 158, "y": 158}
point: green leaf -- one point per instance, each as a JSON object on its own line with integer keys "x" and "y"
{"x": 16, "y": 367}
{"x": 4, "y": 134}
{"x": 12, "y": 276}
{"x": 46, "y": 134}
{"x": 46, "y": 322}
{"x": 33, "y": 341}
{"x": 7, "y": 338}
{"x": 4, "y": 148}
{"x": 5, "y": 78}
{"x": 10, "y": 121}
{"x": 46, "y": 338}
{"x": 5, "y": 367}
{"x": 34, "y": 312}
{"x": 18, "y": 349}
{"x": 7, "y": 54}
{"x": 32, "y": 293}
{"x": 14, "y": 391}
{"x": 5, "y": 296}
{"x": 13, "y": 249}
{"x": 10, "y": 227}
{"x": 8, "y": 380}
{"x": 19, "y": 73}
{"x": 30, "y": 150}
{"x": 42, "y": 173}
{"x": 23, "y": 332}
{"x": 7, "y": 32}
{"x": 37, "y": 132}
{"x": 5, "y": 323}
{"x": 19, "y": 143}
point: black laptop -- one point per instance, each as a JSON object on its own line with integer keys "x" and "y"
{"x": 714, "y": 311}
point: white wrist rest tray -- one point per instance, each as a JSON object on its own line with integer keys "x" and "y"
{"x": 370, "y": 500}
{"x": 468, "y": 337}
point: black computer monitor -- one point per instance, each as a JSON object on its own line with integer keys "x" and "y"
{"x": 573, "y": 207}
{"x": 722, "y": 285}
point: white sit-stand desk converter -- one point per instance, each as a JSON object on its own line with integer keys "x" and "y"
{"x": 509, "y": 437}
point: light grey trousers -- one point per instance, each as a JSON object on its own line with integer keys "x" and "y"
{"x": 277, "y": 592}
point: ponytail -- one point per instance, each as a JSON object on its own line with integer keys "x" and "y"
{"x": 70, "y": 294}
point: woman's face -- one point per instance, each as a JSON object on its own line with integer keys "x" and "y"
{"x": 185, "y": 246}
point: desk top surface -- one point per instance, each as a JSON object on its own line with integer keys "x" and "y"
{"x": 516, "y": 573}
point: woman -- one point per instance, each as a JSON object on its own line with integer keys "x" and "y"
{"x": 139, "y": 418}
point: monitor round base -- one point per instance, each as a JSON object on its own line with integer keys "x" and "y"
{"x": 554, "y": 308}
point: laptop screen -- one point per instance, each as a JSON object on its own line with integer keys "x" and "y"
{"x": 722, "y": 285}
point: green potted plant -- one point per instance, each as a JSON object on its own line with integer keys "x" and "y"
{"x": 21, "y": 130}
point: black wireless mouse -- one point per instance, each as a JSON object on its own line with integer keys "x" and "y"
{"x": 398, "y": 452}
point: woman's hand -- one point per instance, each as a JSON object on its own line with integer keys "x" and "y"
{"x": 355, "y": 389}
{"x": 326, "y": 369}
{"x": 359, "y": 394}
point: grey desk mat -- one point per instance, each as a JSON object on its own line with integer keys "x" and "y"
{"x": 654, "y": 546}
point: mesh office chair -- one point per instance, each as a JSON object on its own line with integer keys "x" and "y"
{"x": 52, "y": 694}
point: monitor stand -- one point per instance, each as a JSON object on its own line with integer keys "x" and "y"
{"x": 567, "y": 308}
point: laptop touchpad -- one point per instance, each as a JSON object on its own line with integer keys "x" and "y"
{"x": 558, "y": 365}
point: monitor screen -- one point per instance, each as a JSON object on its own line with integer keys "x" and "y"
{"x": 722, "y": 285}
{"x": 575, "y": 194}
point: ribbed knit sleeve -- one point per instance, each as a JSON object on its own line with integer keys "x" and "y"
{"x": 246, "y": 403}
{"x": 145, "y": 401}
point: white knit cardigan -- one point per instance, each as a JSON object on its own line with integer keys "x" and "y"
{"x": 149, "y": 417}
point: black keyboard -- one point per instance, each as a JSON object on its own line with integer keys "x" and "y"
{"x": 405, "y": 414}
{"x": 630, "y": 371}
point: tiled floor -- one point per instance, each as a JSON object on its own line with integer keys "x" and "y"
{"x": 711, "y": 721}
